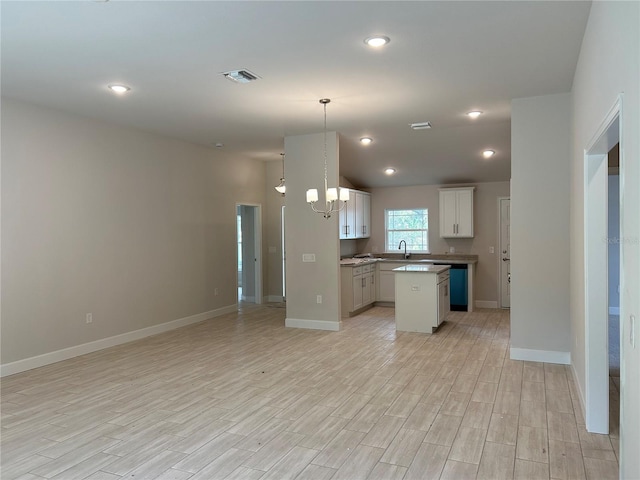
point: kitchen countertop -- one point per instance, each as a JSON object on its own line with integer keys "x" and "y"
{"x": 421, "y": 269}
{"x": 443, "y": 259}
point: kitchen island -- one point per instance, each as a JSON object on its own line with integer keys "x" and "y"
{"x": 422, "y": 297}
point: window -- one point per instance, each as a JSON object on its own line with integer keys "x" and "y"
{"x": 411, "y": 226}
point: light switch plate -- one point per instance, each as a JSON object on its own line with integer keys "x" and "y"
{"x": 308, "y": 257}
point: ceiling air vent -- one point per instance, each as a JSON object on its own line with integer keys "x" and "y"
{"x": 421, "y": 125}
{"x": 241, "y": 76}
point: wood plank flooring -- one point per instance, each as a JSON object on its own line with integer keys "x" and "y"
{"x": 242, "y": 397}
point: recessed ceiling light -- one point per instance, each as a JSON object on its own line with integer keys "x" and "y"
{"x": 119, "y": 89}
{"x": 474, "y": 114}
{"x": 377, "y": 41}
{"x": 219, "y": 145}
{"x": 366, "y": 140}
{"x": 389, "y": 171}
{"x": 488, "y": 153}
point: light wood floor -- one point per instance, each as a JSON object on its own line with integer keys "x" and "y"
{"x": 242, "y": 397}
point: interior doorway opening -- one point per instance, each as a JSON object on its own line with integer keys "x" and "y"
{"x": 249, "y": 253}
{"x": 597, "y": 263}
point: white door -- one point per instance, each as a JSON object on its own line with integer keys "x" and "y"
{"x": 505, "y": 253}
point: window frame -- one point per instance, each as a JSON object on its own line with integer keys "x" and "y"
{"x": 386, "y": 229}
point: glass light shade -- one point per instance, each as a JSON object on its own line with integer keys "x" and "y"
{"x": 474, "y": 114}
{"x": 282, "y": 188}
{"x": 332, "y": 194}
{"x": 312, "y": 195}
{"x": 488, "y": 153}
{"x": 344, "y": 194}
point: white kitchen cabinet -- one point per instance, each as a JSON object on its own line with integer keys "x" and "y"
{"x": 348, "y": 218}
{"x": 363, "y": 214}
{"x": 355, "y": 218}
{"x": 422, "y": 293}
{"x": 357, "y": 288}
{"x": 456, "y": 212}
{"x": 387, "y": 281}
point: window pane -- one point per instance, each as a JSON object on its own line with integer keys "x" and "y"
{"x": 411, "y": 226}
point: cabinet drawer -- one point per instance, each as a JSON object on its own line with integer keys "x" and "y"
{"x": 366, "y": 268}
{"x": 357, "y": 271}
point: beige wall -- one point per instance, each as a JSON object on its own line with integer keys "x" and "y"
{"x": 308, "y": 232}
{"x": 540, "y": 159}
{"x": 135, "y": 228}
{"x": 486, "y": 226}
{"x": 609, "y": 64}
{"x": 272, "y": 255}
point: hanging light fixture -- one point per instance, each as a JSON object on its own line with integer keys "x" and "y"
{"x": 334, "y": 201}
{"x": 282, "y": 188}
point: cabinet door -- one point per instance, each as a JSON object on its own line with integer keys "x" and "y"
{"x": 387, "y": 287}
{"x": 343, "y": 222}
{"x": 465, "y": 213}
{"x": 363, "y": 214}
{"x": 443, "y": 301}
{"x": 368, "y": 289}
{"x": 448, "y": 214}
{"x": 350, "y": 213}
{"x": 357, "y": 292}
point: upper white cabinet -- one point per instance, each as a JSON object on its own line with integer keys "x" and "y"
{"x": 456, "y": 212}
{"x": 355, "y": 218}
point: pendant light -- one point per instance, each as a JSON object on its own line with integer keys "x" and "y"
{"x": 334, "y": 201}
{"x": 282, "y": 188}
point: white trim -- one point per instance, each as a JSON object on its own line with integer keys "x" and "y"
{"x": 312, "y": 324}
{"x": 614, "y": 311}
{"x": 595, "y": 261}
{"x": 574, "y": 374}
{"x": 546, "y": 356}
{"x": 486, "y": 304}
{"x": 77, "y": 350}
{"x": 273, "y": 299}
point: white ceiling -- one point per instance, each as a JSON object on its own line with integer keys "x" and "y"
{"x": 444, "y": 59}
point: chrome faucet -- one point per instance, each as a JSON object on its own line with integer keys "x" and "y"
{"x": 406, "y": 255}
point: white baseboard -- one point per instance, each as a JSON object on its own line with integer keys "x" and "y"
{"x": 77, "y": 350}
{"x": 486, "y": 304}
{"x": 312, "y": 324}
{"x": 546, "y": 356}
{"x": 249, "y": 299}
{"x": 274, "y": 299}
{"x": 614, "y": 311}
{"x": 580, "y": 396}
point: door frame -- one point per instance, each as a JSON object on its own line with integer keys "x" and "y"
{"x": 499, "y": 256}
{"x": 596, "y": 301}
{"x": 257, "y": 238}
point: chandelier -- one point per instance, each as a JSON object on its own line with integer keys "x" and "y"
{"x": 335, "y": 199}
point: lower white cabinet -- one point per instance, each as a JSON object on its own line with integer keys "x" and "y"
{"x": 357, "y": 288}
{"x": 387, "y": 281}
{"x": 422, "y": 300}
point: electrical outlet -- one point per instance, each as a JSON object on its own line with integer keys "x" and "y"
{"x": 452, "y": 249}
{"x": 415, "y": 288}
{"x": 492, "y": 250}
{"x": 318, "y": 298}
{"x": 89, "y": 318}
{"x": 309, "y": 258}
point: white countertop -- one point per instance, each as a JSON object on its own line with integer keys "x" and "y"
{"x": 421, "y": 269}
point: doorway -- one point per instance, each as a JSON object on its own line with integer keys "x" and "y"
{"x": 596, "y": 269}
{"x": 249, "y": 253}
{"x": 504, "y": 259}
